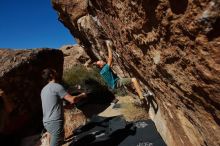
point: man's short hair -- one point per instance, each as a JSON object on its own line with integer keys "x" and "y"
{"x": 48, "y": 74}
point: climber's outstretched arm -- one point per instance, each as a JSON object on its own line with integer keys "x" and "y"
{"x": 109, "y": 46}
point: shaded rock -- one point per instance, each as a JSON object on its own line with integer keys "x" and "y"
{"x": 74, "y": 55}
{"x": 171, "y": 47}
{"x": 21, "y": 83}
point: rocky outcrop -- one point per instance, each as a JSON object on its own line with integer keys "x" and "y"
{"x": 171, "y": 46}
{"x": 74, "y": 55}
{"x": 21, "y": 83}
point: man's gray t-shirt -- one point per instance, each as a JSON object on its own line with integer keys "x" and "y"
{"x": 51, "y": 97}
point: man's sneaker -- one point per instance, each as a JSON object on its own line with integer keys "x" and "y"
{"x": 43, "y": 132}
{"x": 149, "y": 93}
{"x": 108, "y": 43}
{"x": 114, "y": 102}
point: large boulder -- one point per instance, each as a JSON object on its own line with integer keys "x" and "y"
{"x": 20, "y": 85}
{"x": 74, "y": 55}
{"x": 171, "y": 46}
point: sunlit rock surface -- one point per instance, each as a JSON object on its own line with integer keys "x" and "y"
{"x": 74, "y": 55}
{"x": 171, "y": 46}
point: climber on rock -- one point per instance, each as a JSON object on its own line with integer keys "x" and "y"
{"x": 51, "y": 97}
{"x": 113, "y": 81}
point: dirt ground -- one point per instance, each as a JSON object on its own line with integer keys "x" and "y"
{"x": 125, "y": 107}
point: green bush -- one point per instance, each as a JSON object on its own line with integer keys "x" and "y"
{"x": 79, "y": 75}
{"x": 91, "y": 83}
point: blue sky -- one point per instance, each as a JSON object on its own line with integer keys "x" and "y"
{"x": 31, "y": 24}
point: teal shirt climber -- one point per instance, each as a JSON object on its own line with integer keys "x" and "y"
{"x": 109, "y": 76}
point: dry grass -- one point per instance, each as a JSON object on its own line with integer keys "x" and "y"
{"x": 131, "y": 111}
{"x": 127, "y": 108}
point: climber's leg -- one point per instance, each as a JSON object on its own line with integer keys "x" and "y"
{"x": 137, "y": 88}
{"x": 130, "y": 81}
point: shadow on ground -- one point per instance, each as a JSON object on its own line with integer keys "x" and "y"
{"x": 99, "y": 98}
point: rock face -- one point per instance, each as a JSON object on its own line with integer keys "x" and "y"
{"x": 74, "y": 55}
{"x": 171, "y": 46}
{"x": 20, "y": 80}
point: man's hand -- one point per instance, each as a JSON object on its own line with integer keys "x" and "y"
{"x": 75, "y": 99}
{"x": 2, "y": 93}
{"x": 8, "y": 104}
{"x": 80, "y": 97}
{"x": 108, "y": 43}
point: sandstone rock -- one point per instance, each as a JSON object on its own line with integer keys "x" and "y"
{"x": 73, "y": 118}
{"x": 20, "y": 80}
{"x": 74, "y": 55}
{"x": 171, "y": 46}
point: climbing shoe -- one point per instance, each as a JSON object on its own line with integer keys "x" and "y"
{"x": 147, "y": 94}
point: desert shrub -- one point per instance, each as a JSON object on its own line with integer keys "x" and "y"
{"x": 89, "y": 81}
{"x": 79, "y": 75}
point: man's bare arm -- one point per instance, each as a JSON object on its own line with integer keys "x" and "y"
{"x": 75, "y": 99}
{"x": 109, "y": 46}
